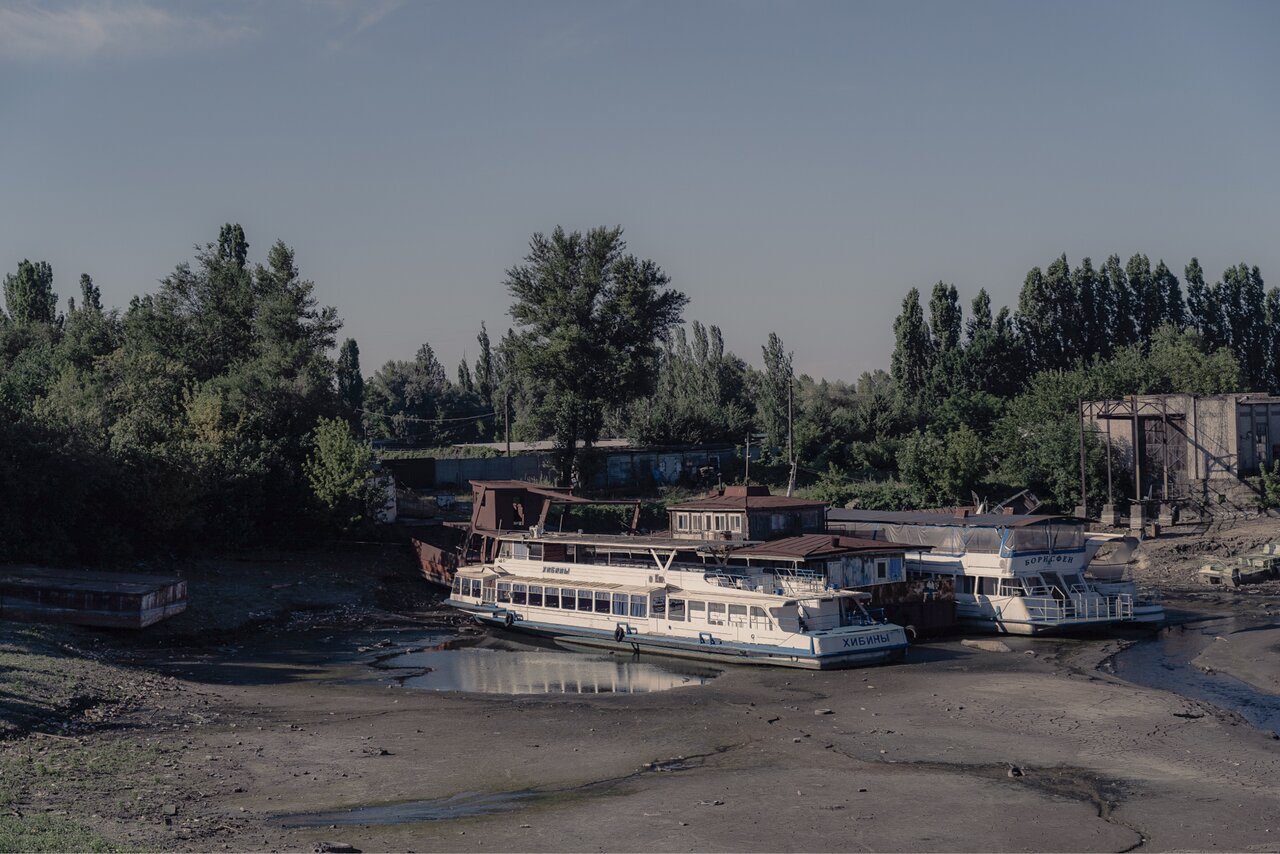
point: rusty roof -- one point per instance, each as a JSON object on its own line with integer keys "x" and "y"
{"x": 808, "y": 546}
{"x": 925, "y": 517}
{"x": 745, "y": 502}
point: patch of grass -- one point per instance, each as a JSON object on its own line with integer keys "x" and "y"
{"x": 44, "y": 832}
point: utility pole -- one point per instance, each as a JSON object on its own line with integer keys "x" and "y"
{"x": 791, "y": 454}
{"x": 506, "y": 428}
{"x": 1084, "y": 495}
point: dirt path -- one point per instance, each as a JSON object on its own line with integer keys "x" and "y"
{"x": 214, "y": 734}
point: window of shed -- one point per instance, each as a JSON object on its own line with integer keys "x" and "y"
{"x": 882, "y": 569}
{"x": 735, "y": 521}
{"x": 682, "y": 521}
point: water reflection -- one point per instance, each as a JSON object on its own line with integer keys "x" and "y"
{"x": 517, "y": 669}
{"x": 1166, "y": 663}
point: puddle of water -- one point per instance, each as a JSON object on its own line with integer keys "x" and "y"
{"x": 1165, "y": 663}
{"x": 436, "y": 809}
{"x": 508, "y": 668}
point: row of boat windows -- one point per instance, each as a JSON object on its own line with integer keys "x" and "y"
{"x": 572, "y": 599}
{"x": 717, "y": 614}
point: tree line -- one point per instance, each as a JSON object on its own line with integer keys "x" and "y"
{"x": 217, "y": 410}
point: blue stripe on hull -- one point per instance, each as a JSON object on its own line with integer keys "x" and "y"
{"x": 725, "y": 652}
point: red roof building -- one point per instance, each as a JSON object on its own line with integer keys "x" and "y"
{"x": 745, "y": 513}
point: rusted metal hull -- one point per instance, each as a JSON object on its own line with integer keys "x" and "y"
{"x": 89, "y": 598}
{"x": 437, "y": 549}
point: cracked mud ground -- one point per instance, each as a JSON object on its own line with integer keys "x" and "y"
{"x": 188, "y": 739}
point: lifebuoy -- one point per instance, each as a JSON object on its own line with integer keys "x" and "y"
{"x": 619, "y": 633}
{"x": 509, "y": 619}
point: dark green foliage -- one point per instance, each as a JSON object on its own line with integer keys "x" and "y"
{"x": 912, "y": 351}
{"x": 415, "y": 402}
{"x": 590, "y": 321}
{"x": 182, "y": 422}
{"x": 701, "y": 394}
{"x": 350, "y": 382}
{"x": 773, "y": 389}
{"x": 339, "y": 470}
{"x": 28, "y": 294}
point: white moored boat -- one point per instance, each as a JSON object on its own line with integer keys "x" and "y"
{"x": 669, "y": 597}
{"x": 1013, "y": 574}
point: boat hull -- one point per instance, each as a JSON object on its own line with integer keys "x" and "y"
{"x": 724, "y": 652}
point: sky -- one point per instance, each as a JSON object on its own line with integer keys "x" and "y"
{"x": 793, "y": 167}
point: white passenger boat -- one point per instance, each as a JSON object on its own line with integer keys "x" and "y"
{"x": 670, "y": 597}
{"x": 1012, "y": 574}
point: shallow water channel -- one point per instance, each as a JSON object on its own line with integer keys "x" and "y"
{"x": 489, "y": 665}
{"x": 1167, "y": 663}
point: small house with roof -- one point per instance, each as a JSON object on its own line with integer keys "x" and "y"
{"x": 736, "y": 513}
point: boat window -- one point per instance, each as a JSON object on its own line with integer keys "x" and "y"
{"x": 619, "y": 604}
{"x": 1011, "y": 587}
{"x": 759, "y": 619}
{"x": 988, "y": 586}
{"x": 586, "y": 554}
{"x": 555, "y": 551}
{"x": 518, "y": 593}
{"x": 737, "y": 615}
{"x": 697, "y": 612}
{"x": 457, "y": 585}
{"x": 504, "y": 591}
{"x": 552, "y": 599}
{"x": 535, "y": 595}
{"x": 567, "y": 600}
{"x": 535, "y": 551}
{"x": 504, "y": 550}
{"x": 715, "y": 613}
{"x": 584, "y": 600}
{"x": 675, "y": 610}
{"x": 638, "y": 605}
{"x": 659, "y": 604}
{"x": 967, "y": 584}
{"x": 521, "y": 551}
{"x": 602, "y": 603}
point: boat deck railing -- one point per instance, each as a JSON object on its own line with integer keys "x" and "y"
{"x": 1051, "y": 609}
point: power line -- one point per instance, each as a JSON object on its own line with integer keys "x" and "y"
{"x": 430, "y": 420}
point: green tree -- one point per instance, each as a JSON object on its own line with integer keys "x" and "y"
{"x": 912, "y": 351}
{"x": 29, "y": 295}
{"x": 340, "y": 473}
{"x": 1204, "y": 314}
{"x": 590, "y": 320}
{"x": 774, "y": 390}
{"x": 350, "y": 383}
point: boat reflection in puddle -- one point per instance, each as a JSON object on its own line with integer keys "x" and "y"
{"x": 499, "y": 667}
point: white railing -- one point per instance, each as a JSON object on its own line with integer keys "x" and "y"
{"x": 1083, "y": 609}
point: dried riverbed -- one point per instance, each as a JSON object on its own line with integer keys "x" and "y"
{"x": 263, "y": 736}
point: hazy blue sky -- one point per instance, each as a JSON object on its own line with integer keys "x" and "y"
{"x": 793, "y": 167}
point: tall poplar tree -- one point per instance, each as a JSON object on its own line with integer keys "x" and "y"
{"x": 913, "y": 349}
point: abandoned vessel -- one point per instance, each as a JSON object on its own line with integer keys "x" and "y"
{"x": 670, "y": 597}
{"x": 1013, "y": 574}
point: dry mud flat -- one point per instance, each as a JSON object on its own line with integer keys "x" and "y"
{"x": 261, "y": 743}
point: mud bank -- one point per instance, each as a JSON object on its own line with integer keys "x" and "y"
{"x": 267, "y": 738}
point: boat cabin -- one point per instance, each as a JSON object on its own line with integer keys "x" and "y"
{"x": 739, "y": 513}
